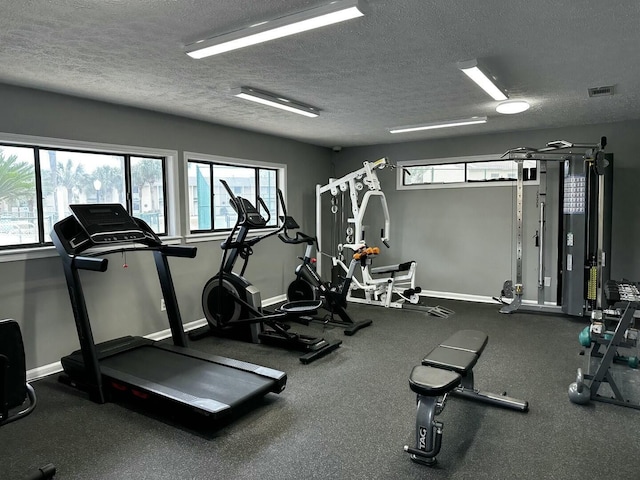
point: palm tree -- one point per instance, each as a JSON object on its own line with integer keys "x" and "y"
{"x": 70, "y": 176}
{"x": 17, "y": 178}
{"x": 111, "y": 178}
{"x": 146, "y": 171}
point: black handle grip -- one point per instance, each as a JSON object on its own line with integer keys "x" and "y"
{"x": 179, "y": 251}
{"x": 299, "y": 238}
{"x": 89, "y": 263}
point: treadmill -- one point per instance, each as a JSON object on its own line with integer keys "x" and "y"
{"x": 184, "y": 379}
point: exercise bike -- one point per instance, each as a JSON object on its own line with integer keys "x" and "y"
{"x": 233, "y": 307}
{"x": 308, "y": 285}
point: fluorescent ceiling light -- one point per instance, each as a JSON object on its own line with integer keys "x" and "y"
{"x": 266, "y": 98}
{"x": 450, "y": 123}
{"x": 471, "y": 70}
{"x": 334, "y": 12}
{"x": 512, "y": 106}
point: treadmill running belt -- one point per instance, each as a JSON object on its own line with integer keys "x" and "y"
{"x": 194, "y": 381}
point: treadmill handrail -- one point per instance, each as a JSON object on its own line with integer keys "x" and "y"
{"x": 90, "y": 263}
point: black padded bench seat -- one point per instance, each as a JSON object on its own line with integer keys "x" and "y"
{"x": 459, "y": 361}
{"x": 398, "y": 267}
{"x": 459, "y": 352}
{"x": 432, "y": 382}
{"x": 468, "y": 340}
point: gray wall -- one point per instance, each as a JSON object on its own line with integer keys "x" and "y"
{"x": 127, "y": 301}
{"x": 462, "y": 238}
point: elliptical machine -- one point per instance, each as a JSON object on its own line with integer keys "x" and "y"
{"x": 233, "y": 307}
{"x": 308, "y": 285}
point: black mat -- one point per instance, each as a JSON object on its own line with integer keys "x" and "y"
{"x": 348, "y": 415}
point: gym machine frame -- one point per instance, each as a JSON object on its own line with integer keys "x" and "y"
{"x": 398, "y": 290}
{"x": 232, "y": 305}
{"x": 309, "y": 285}
{"x": 573, "y": 295}
{"x": 138, "y": 367}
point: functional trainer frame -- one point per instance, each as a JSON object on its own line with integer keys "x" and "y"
{"x": 583, "y": 227}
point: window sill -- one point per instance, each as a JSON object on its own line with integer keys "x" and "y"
{"x": 213, "y": 236}
{"x": 436, "y": 186}
{"x": 32, "y": 253}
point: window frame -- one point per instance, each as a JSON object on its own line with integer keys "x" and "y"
{"x": 457, "y": 160}
{"x": 202, "y": 158}
{"x": 170, "y": 174}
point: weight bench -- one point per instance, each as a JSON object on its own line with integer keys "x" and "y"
{"x": 448, "y": 369}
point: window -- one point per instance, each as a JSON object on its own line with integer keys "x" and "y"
{"x": 18, "y": 212}
{"x": 37, "y": 185}
{"x": 446, "y": 173}
{"x": 500, "y": 170}
{"x": 454, "y": 172}
{"x": 209, "y": 207}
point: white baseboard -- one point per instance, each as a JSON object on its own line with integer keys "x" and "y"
{"x": 475, "y": 298}
{"x": 44, "y": 371}
{"x": 56, "y": 367}
{"x": 458, "y": 296}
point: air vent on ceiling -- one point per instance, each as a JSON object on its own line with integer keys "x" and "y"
{"x": 601, "y": 91}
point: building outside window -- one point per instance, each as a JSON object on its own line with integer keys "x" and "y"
{"x": 37, "y": 185}
{"x": 209, "y": 201}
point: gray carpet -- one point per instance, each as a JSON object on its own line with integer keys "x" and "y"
{"x": 348, "y": 415}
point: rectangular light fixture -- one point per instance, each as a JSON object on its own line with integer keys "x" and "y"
{"x": 484, "y": 81}
{"x": 447, "y": 124}
{"x": 272, "y": 100}
{"x": 334, "y": 12}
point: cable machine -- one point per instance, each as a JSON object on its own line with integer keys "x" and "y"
{"x": 390, "y": 286}
{"x": 585, "y": 228}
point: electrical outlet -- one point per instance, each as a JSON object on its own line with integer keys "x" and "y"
{"x": 163, "y": 307}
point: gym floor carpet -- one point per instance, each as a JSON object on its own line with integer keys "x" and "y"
{"x": 349, "y": 414}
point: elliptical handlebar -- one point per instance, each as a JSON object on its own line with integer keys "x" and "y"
{"x": 266, "y": 209}
{"x": 249, "y": 215}
{"x": 299, "y": 238}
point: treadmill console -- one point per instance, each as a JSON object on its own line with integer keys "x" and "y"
{"x": 107, "y": 223}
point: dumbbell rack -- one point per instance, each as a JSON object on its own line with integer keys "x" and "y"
{"x": 604, "y": 352}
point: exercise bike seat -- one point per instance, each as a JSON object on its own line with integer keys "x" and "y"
{"x": 301, "y": 307}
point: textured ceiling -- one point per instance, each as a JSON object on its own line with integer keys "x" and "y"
{"x": 395, "y": 66}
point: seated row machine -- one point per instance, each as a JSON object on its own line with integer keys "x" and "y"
{"x": 448, "y": 369}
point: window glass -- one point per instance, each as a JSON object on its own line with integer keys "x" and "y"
{"x": 243, "y": 181}
{"x": 442, "y": 173}
{"x": 488, "y": 171}
{"x": 18, "y": 205}
{"x": 147, "y": 192}
{"x": 199, "y": 196}
{"x": 499, "y": 170}
{"x": 467, "y": 172}
{"x": 269, "y": 193}
{"x": 78, "y": 177}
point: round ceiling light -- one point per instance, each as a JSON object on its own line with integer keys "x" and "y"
{"x": 512, "y": 106}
